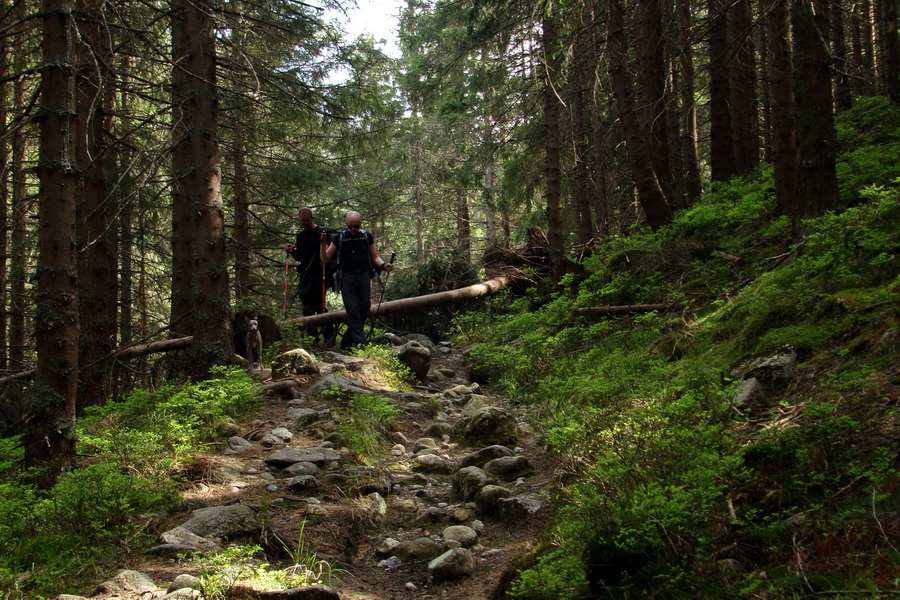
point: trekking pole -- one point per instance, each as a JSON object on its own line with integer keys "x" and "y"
{"x": 287, "y": 267}
{"x": 382, "y": 285}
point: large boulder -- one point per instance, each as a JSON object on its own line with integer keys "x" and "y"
{"x": 294, "y": 362}
{"x": 223, "y": 521}
{"x": 490, "y": 425}
{"x": 451, "y": 565}
{"x": 467, "y": 482}
{"x": 416, "y": 357}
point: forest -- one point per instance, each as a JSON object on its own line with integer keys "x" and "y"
{"x": 678, "y": 196}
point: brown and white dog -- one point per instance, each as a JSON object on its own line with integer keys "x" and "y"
{"x": 254, "y": 343}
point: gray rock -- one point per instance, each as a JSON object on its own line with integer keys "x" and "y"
{"x": 424, "y": 443}
{"x": 473, "y": 404}
{"x": 172, "y": 550}
{"x": 311, "y": 592}
{"x": 488, "y": 498}
{"x": 276, "y": 437}
{"x": 237, "y": 445}
{"x": 749, "y": 392}
{"x": 184, "y": 581}
{"x": 416, "y": 357}
{"x": 438, "y": 430}
{"x": 387, "y": 547}
{"x": 184, "y": 594}
{"x": 378, "y": 504}
{"x": 294, "y": 362}
{"x": 422, "y": 548}
{"x": 388, "y": 339}
{"x": 509, "y": 468}
{"x": 421, "y": 339}
{"x": 302, "y": 484}
{"x": 466, "y": 536}
{"x": 774, "y": 369}
{"x": 517, "y": 508}
{"x": 490, "y": 425}
{"x": 432, "y": 463}
{"x": 300, "y": 468}
{"x": 302, "y": 417}
{"x": 223, "y": 521}
{"x": 467, "y": 482}
{"x": 451, "y": 565}
{"x": 126, "y": 581}
{"x": 288, "y": 456}
{"x": 390, "y": 563}
{"x": 70, "y": 597}
{"x": 481, "y": 457}
{"x": 179, "y": 536}
{"x": 340, "y": 382}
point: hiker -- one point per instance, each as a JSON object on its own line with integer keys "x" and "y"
{"x": 357, "y": 264}
{"x": 313, "y": 279}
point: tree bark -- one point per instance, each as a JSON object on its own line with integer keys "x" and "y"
{"x": 816, "y": 144}
{"x": 552, "y": 166}
{"x": 781, "y": 90}
{"x": 50, "y": 438}
{"x": 463, "y": 226}
{"x": 605, "y": 311}
{"x": 18, "y": 271}
{"x": 4, "y": 208}
{"x": 742, "y": 75}
{"x": 721, "y": 142}
{"x": 650, "y": 88}
{"x": 690, "y": 136}
{"x": 890, "y": 48}
{"x": 209, "y": 268}
{"x": 478, "y": 290}
{"x": 181, "y": 321}
{"x": 97, "y": 252}
{"x": 241, "y": 219}
{"x": 843, "y": 97}
{"x": 650, "y": 194}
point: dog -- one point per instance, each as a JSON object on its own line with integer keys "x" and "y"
{"x": 254, "y": 343}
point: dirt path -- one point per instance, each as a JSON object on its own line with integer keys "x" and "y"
{"x": 353, "y": 509}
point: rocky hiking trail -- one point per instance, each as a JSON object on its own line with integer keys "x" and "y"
{"x": 455, "y": 495}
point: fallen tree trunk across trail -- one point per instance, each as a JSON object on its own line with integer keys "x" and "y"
{"x": 486, "y": 288}
{"x": 492, "y": 286}
{"x": 604, "y": 311}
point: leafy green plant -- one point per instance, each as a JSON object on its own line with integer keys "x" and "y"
{"x": 393, "y": 374}
{"x": 367, "y": 420}
{"x": 306, "y": 567}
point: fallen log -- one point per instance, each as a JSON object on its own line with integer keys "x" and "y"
{"x": 603, "y": 311}
{"x": 486, "y": 288}
{"x": 153, "y": 347}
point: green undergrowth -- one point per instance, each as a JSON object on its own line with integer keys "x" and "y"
{"x": 670, "y": 489}
{"x": 130, "y": 454}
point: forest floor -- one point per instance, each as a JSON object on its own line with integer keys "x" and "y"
{"x": 339, "y": 524}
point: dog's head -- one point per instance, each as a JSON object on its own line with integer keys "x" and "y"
{"x": 253, "y": 325}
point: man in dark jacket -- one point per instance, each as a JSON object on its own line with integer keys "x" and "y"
{"x": 357, "y": 263}
{"x": 311, "y": 288}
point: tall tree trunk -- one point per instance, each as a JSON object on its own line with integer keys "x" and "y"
{"x": 889, "y": 45}
{"x": 582, "y": 154}
{"x": 241, "y": 219}
{"x": 18, "y": 269}
{"x": 209, "y": 269}
{"x": 97, "y": 289}
{"x": 868, "y": 21}
{"x": 690, "y": 136}
{"x": 816, "y": 176}
{"x": 742, "y": 75}
{"x": 126, "y": 220}
{"x": 463, "y": 226}
{"x": 843, "y": 98}
{"x": 650, "y": 194}
{"x": 181, "y": 322}
{"x": 650, "y": 88}
{"x": 721, "y": 143}
{"x": 50, "y": 438}
{"x": 552, "y": 167}
{"x": 781, "y": 89}
{"x": 4, "y": 208}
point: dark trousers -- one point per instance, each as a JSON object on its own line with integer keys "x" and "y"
{"x": 312, "y": 302}
{"x": 357, "y": 294}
